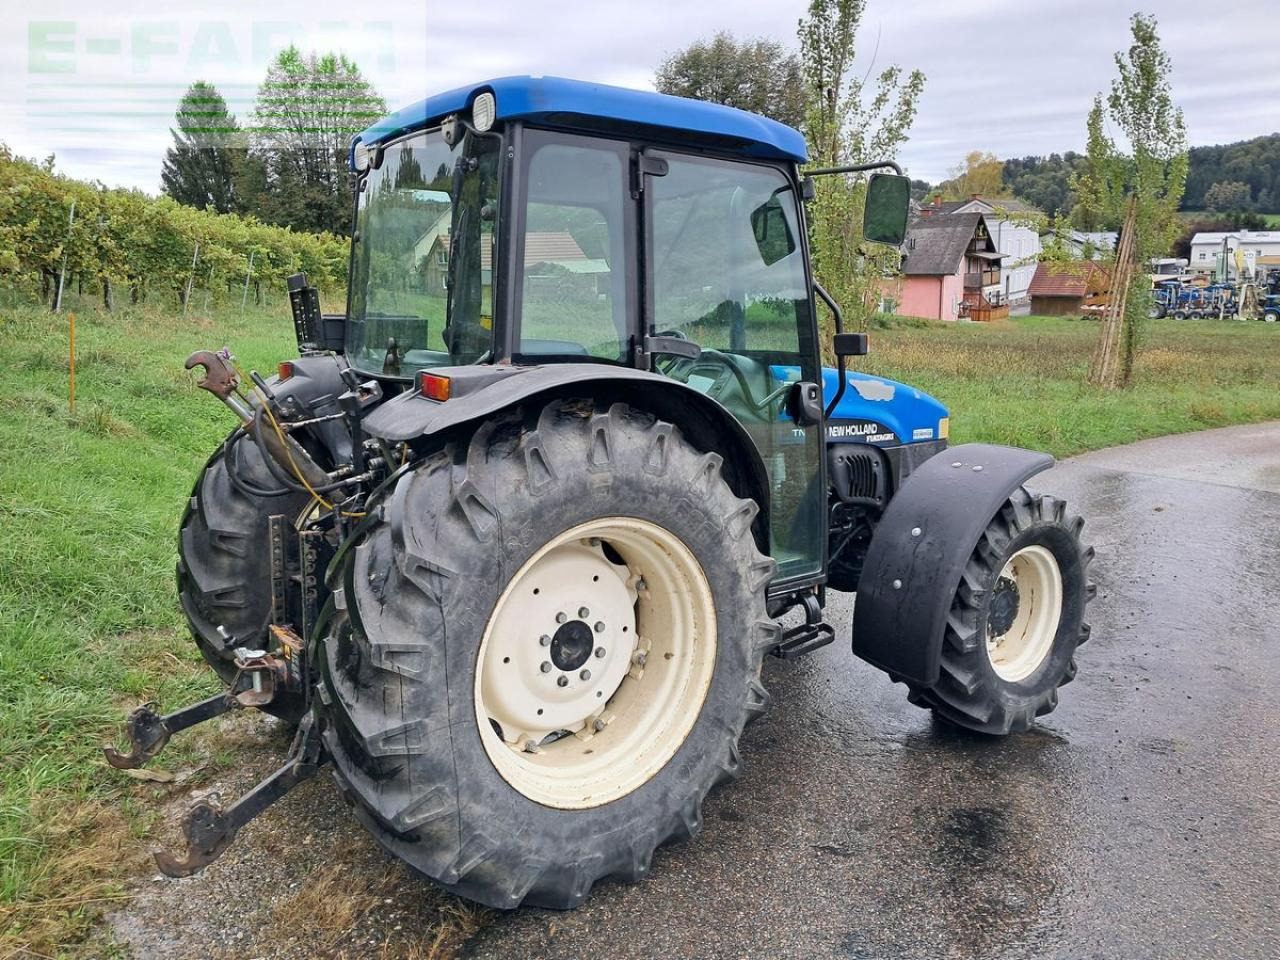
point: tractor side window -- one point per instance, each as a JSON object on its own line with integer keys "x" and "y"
{"x": 573, "y": 300}
{"x": 728, "y": 273}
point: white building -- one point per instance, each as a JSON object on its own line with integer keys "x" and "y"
{"x": 1018, "y": 241}
{"x": 1258, "y": 252}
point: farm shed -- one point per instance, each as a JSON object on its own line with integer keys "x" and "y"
{"x": 1065, "y": 289}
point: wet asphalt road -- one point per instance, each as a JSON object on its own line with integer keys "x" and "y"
{"x": 1141, "y": 819}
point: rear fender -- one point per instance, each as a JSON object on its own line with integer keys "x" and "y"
{"x": 919, "y": 551}
{"x": 483, "y": 391}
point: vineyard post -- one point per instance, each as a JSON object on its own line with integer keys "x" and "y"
{"x": 186, "y": 297}
{"x": 244, "y": 297}
{"x": 208, "y": 284}
{"x": 62, "y": 274}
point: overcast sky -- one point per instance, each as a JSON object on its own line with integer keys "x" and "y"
{"x": 1013, "y": 77}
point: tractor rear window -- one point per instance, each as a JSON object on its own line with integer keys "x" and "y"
{"x": 422, "y": 261}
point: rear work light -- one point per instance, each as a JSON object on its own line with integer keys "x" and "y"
{"x": 433, "y": 387}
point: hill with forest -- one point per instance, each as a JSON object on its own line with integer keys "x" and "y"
{"x": 1241, "y": 177}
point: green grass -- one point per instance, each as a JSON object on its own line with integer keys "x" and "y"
{"x": 89, "y": 504}
{"x": 1022, "y": 382}
{"x": 90, "y": 501}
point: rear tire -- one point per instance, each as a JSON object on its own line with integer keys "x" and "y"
{"x": 224, "y": 559}
{"x": 438, "y": 666}
{"x": 1016, "y": 620}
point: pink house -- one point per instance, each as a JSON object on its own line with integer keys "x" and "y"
{"x": 951, "y": 269}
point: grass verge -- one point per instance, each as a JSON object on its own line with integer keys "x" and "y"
{"x": 1022, "y": 382}
{"x": 90, "y": 500}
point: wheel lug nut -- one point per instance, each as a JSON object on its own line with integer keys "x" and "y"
{"x": 599, "y": 626}
{"x": 598, "y": 725}
{"x": 561, "y": 617}
{"x": 546, "y": 666}
{"x": 583, "y": 613}
{"x": 562, "y": 681}
{"x": 641, "y": 585}
{"x": 530, "y": 747}
{"x": 599, "y": 652}
{"x": 544, "y": 640}
{"x": 585, "y": 675}
{"x": 640, "y": 658}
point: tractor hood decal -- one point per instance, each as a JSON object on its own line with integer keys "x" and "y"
{"x": 874, "y": 409}
{"x": 860, "y": 431}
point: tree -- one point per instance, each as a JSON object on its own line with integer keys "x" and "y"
{"x": 847, "y": 124}
{"x": 199, "y": 170}
{"x": 308, "y": 109}
{"x": 1228, "y": 195}
{"x": 1145, "y": 171}
{"x": 981, "y": 174}
{"x": 758, "y": 75}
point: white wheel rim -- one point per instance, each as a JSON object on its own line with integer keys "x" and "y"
{"x": 1018, "y": 651}
{"x": 573, "y": 740}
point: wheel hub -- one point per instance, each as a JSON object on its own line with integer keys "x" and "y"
{"x": 561, "y": 645}
{"x": 1004, "y": 607}
{"x": 572, "y": 645}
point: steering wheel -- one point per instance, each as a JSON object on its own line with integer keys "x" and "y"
{"x": 680, "y": 368}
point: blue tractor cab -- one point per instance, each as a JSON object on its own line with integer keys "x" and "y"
{"x": 510, "y": 539}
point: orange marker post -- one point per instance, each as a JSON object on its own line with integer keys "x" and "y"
{"x": 72, "y": 396}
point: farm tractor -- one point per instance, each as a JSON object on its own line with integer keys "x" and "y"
{"x": 508, "y": 542}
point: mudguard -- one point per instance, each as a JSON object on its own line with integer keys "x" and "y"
{"x": 919, "y": 551}
{"x": 483, "y": 390}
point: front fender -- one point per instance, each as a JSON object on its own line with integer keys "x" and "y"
{"x": 920, "y": 549}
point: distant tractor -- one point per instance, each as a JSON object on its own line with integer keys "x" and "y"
{"x": 509, "y": 541}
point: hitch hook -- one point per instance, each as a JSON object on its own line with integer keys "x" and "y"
{"x": 209, "y": 829}
{"x": 148, "y": 732}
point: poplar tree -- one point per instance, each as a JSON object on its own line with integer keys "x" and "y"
{"x": 1146, "y": 164}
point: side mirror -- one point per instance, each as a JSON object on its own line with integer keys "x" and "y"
{"x": 852, "y": 344}
{"x": 884, "y": 218}
{"x": 772, "y": 232}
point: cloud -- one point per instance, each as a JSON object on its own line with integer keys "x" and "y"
{"x": 1006, "y": 76}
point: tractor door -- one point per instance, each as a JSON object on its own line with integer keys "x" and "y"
{"x": 725, "y": 263}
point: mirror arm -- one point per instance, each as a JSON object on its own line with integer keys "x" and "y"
{"x": 856, "y": 168}
{"x": 840, "y": 360}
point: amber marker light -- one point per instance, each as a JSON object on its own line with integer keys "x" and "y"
{"x": 433, "y": 387}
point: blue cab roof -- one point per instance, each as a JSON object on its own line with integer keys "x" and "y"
{"x": 576, "y": 104}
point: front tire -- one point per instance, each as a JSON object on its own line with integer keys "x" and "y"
{"x": 472, "y": 717}
{"x": 1016, "y": 620}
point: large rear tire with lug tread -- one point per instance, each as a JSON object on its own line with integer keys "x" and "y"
{"x": 224, "y": 557}
{"x": 1016, "y": 619}
{"x": 544, "y": 652}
